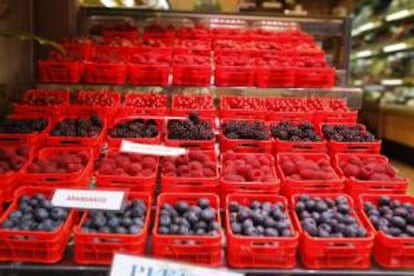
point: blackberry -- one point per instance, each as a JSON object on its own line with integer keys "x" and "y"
{"x": 136, "y": 128}
{"x": 255, "y": 130}
{"x": 343, "y": 133}
{"x": 288, "y": 131}
{"x": 79, "y": 127}
{"x": 191, "y": 129}
{"x": 22, "y": 126}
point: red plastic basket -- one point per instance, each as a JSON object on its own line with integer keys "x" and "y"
{"x": 245, "y": 145}
{"x": 287, "y": 109}
{"x": 335, "y": 117}
{"x": 242, "y": 107}
{"x": 328, "y": 253}
{"x": 315, "y": 77}
{"x": 83, "y": 50}
{"x": 61, "y": 103}
{"x": 234, "y": 75}
{"x": 149, "y": 74}
{"x": 193, "y": 144}
{"x": 192, "y": 184}
{"x": 69, "y": 141}
{"x": 389, "y": 251}
{"x": 352, "y": 147}
{"x": 57, "y": 180}
{"x": 192, "y": 47}
{"x": 10, "y": 181}
{"x": 116, "y": 142}
{"x": 35, "y": 139}
{"x": 291, "y": 186}
{"x": 259, "y": 252}
{"x": 34, "y": 246}
{"x": 355, "y": 187}
{"x": 184, "y": 104}
{"x": 99, "y": 248}
{"x": 107, "y": 73}
{"x": 60, "y": 71}
{"x": 229, "y": 187}
{"x": 202, "y": 250}
{"x": 289, "y": 146}
{"x": 275, "y": 77}
{"x": 143, "y": 104}
{"x": 192, "y": 75}
{"x": 133, "y": 183}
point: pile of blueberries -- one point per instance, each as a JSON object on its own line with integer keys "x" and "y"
{"x": 35, "y": 213}
{"x": 184, "y": 219}
{"x": 130, "y": 220}
{"x": 22, "y": 126}
{"x": 391, "y": 216}
{"x": 254, "y": 130}
{"x": 191, "y": 129}
{"x": 259, "y": 219}
{"x": 79, "y": 127}
{"x": 328, "y": 217}
{"x": 288, "y": 131}
{"x": 136, "y": 128}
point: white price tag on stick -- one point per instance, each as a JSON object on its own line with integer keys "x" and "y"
{"x": 149, "y": 149}
{"x": 126, "y": 265}
{"x": 88, "y": 199}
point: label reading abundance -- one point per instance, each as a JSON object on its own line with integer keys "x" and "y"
{"x": 159, "y": 150}
{"x": 88, "y": 199}
{"x": 126, "y": 265}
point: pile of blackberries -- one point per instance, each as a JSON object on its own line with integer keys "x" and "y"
{"x": 185, "y": 219}
{"x": 79, "y": 127}
{"x": 22, "y": 126}
{"x": 328, "y": 217}
{"x": 288, "y": 131}
{"x": 191, "y": 129}
{"x": 136, "y": 128}
{"x": 255, "y": 130}
{"x": 391, "y": 216}
{"x": 344, "y": 133}
{"x": 259, "y": 219}
{"x": 35, "y": 213}
{"x": 130, "y": 220}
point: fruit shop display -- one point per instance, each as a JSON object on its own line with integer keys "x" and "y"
{"x": 35, "y": 213}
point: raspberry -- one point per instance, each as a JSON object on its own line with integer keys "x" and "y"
{"x": 379, "y": 177}
{"x": 245, "y": 171}
{"x": 264, "y": 160}
{"x": 351, "y": 170}
{"x": 257, "y": 175}
{"x": 183, "y": 169}
{"x": 33, "y": 168}
{"x": 74, "y": 168}
{"x": 120, "y": 172}
{"x": 133, "y": 169}
{"x": 196, "y": 173}
{"x": 50, "y": 168}
{"x": 134, "y": 158}
{"x": 239, "y": 163}
{"x": 208, "y": 172}
{"x": 149, "y": 162}
{"x": 147, "y": 172}
{"x": 84, "y": 156}
{"x": 210, "y": 165}
{"x": 289, "y": 168}
{"x": 391, "y": 171}
{"x": 295, "y": 177}
{"x": 307, "y": 174}
{"x": 106, "y": 169}
{"x": 195, "y": 165}
{"x": 198, "y": 156}
{"x": 168, "y": 167}
{"x": 266, "y": 169}
{"x": 182, "y": 160}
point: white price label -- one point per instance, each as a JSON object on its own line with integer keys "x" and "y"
{"x": 159, "y": 150}
{"x": 88, "y": 199}
{"x": 126, "y": 265}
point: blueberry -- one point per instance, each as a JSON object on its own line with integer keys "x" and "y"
{"x": 201, "y": 224}
{"x": 203, "y": 203}
{"x": 398, "y": 222}
{"x": 310, "y": 228}
{"x": 341, "y": 200}
{"x": 139, "y": 222}
{"x": 361, "y": 232}
{"x": 58, "y": 213}
{"x": 104, "y": 229}
{"x": 309, "y": 221}
{"x": 410, "y": 230}
{"x": 373, "y": 212}
{"x": 408, "y": 206}
{"x": 181, "y": 207}
{"x": 316, "y": 216}
{"x": 200, "y": 232}
{"x": 114, "y": 222}
{"x": 322, "y": 233}
{"x": 233, "y": 206}
{"x": 330, "y": 202}
{"x": 304, "y": 197}
{"x": 257, "y": 218}
{"x": 208, "y": 214}
{"x": 278, "y": 214}
{"x": 326, "y": 217}
{"x": 339, "y": 228}
{"x": 310, "y": 205}
{"x": 267, "y": 206}
{"x": 348, "y": 219}
{"x": 25, "y": 208}
{"x": 39, "y": 197}
{"x": 214, "y": 226}
{"x": 394, "y": 231}
{"x": 16, "y": 215}
{"x": 46, "y": 204}
{"x": 250, "y": 231}
{"x": 165, "y": 220}
{"x": 305, "y": 214}
{"x": 174, "y": 229}
{"x": 410, "y": 218}
{"x": 137, "y": 212}
{"x": 384, "y": 200}
{"x": 321, "y": 206}
{"x": 300, "y": 207}
{"x": 99, "y": 221}
{"x": 350, "y": 231}
{"x": 33, "y": 202}
{"x": 287, "y": 233}
{"x": 325, "y": 227}
{"x": 395, "y": 203}
{"x": 163, "y": 230}
{"x": 236, "y": 228}
{"x": 183, "y": 230}
{"x": 127, "y": 222}
{"x": 260, "y": 230}
{"x": 255, "y": 205}
{"x": 8, "y": 224}
{"x": 213, "y": 233}
{"x": 400, "y": 211}
{"x": 385, "y": 210}
{"x": 121, "y": 230}
{"x": 344, "y": 208}
{"x": 269, "y": 222}
{"x": 47, "y": 227}
{"x": 182, "y": 221}
{"x": 41, "y": 214}
{"x": 242, "y": 215}
{"x": 27, "y": 225}
{"x": 368, "y": 206}
{"x": 283, "y": 225}
{"x": 374, "y": 220}
{"x": 24, "y": 199}
{"x": 271, "y": 232}
{"x": 191, "y": 217}
{"x": 247, "y": 223}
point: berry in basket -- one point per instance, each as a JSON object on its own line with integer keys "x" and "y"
{"x": 288, "y": 131}
{"x": 259, "y": 219}
{"x": 368, "y": 168}
{"x": 13, "y": 159}
{"x": 135, "y": 128}
{"x": 328, "y": 217}
{"x": 128, "y": 164}
{"x": 298, "y": 167}
{"x": 193, "y": 164}
{"x": 79, "y": 127}
{"x": 391, "y": 216}
{"x": 130, "y": 220}
{"x": 22, "y": 126}
{"x": 43, "y": 100}
{"x": 344, "y": 133}
{"x": 149, "y": 100}
{"x": 184, "y": 219}
{"x": 101, "y": 99}
{"x": 248, "y": 168}
{"x": 193, "y": 128}
{"x": 35, "y": 213}
{"x": 64, "y": 162}
{"x": 255, "y": 130}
